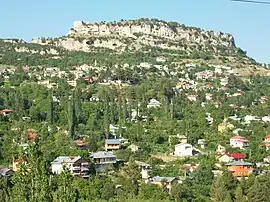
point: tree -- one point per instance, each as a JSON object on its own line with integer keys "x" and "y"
{"x": 258, "y": 192}
{"x": 50, "y": 112}
{"x": 239, "y": 196}
{"x": 218, "y": 190}
{"x": 65, "y": 191}
{"x": 228, "y": 198}
{"x": 72, "y": 119}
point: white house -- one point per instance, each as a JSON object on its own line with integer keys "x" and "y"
{"x": 153, "y": 103}
{"x": 183, "y": 149}
{"x": 239, "y": 142}
{"x": 75, "y": 164}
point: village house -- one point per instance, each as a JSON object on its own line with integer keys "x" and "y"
{"x": 225, "y": 159}
{"x": 153, "y": 103}
{"x": 267, "y": 160}
{"x": 192, "y": 97}
{"x": 183, "y": 149}
{"x": 6, "y": 112}
{"x": 134, "y": 148}
{"x": 267, "y": 142}
{"x": 240, "y": 168}
{"x": 224, "y": 126}
{"x": 82, "y": 144}
{"x": 103, "y": 161}
{"x": 145, "y": 168}
{"x": 75, "y": 164}
{"x": 5, "y": 173}
{"x": 160, "y": 181}
{"x": 221, "y": 149}
{"x": 239, "y": 142}
{"x": 237, "y": 156}
{"x": 202, "y": 143}
{"x": 208, "y": 96}
{"x": 112, "y": 144}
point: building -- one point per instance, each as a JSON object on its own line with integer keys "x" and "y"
{"x": 161, "y": 181}
{"x": 75, "y": 164}
{"x": 145, "y": 168}
{"x": 6, "y": 112}
{"x": 267, "y": 142}
{"x": 103, "y": 161}
{"x": 240, "y": 168}
{"x": 183, "y": 149}
{"x": 237, "y": 156}
{"x": 221, "y": 149}
{"x": 153, "y": 103}
{"x": 223, "y": 127}
{"x": 266, "y": 159}
{"x": 112, "y": 144}
{"x": 5, "y": 173}
{"x": 82, "y": 144}
{"x": 134, "y": 148}
{"x": 239, "y": 142}
{"x": 225, "y": 159}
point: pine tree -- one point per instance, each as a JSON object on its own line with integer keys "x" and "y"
{"x": 65, "y": 191}
{"x": 239, "y": 196}
{"x": 72, "y": 119}
{"x": 257, "y": 192}
{"x": 50, "y": 113}
{"x": 228, "y": 198}
{"x": 218, "y": 190}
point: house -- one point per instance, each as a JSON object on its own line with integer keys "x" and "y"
{"x": 267, "y": 142}
{"x": 237, "y": 156}
{"x": 103, "y": 161}
{"x": 239, "y": 142}
{"x": 183, "y": 149}
{"x": 112, "y": 144}
{"x": 161, "y": 181}
{"x": 153, "y": 103}
{"x": 224, "y": 126}
{"x": 5, "y": 173}
{"x": 221, "y": 149}
{"x": 266, "y": 159}
{"x": 134, "y": 148}
{"x": 240, "y": 168}
{"x": 75, "y": 164}
{"x": 225, "y": 159}
{"x": 202, "y": 143}
{"x": 82, "y": 144}
{"x": 208, "y": 96}
{"x": 192, "y": 97}
{"x": 6, "y": 112}
{"x": 145, "y": 168}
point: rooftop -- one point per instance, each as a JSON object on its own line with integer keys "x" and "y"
{"x": 102, "y": 154}
{"x": 112, "y": 141}
{"x": 161, "y": 179}
{"x": 239, "y": 163}
{"x": 65, "y": 159}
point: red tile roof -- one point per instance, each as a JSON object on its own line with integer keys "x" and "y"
{"x": 237, "y": 156}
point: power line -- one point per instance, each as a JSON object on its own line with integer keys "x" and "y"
{"x": 254, "y": 2}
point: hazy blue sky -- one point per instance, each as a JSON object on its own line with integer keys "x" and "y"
{"x": 249, "y": 23}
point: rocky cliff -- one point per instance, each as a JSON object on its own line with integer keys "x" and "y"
{"x": 138, "y": 34}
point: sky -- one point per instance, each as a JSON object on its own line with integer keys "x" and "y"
{"x": 248, "y": 23}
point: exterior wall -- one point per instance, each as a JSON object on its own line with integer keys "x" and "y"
{"x": 57, "y": 168}
{"x": 240, "y": 171}
{"x": 112, "y": 147}
{"x": 183, "y": 150}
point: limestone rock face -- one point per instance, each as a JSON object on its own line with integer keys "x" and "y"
{"x": 135, "y": 34}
